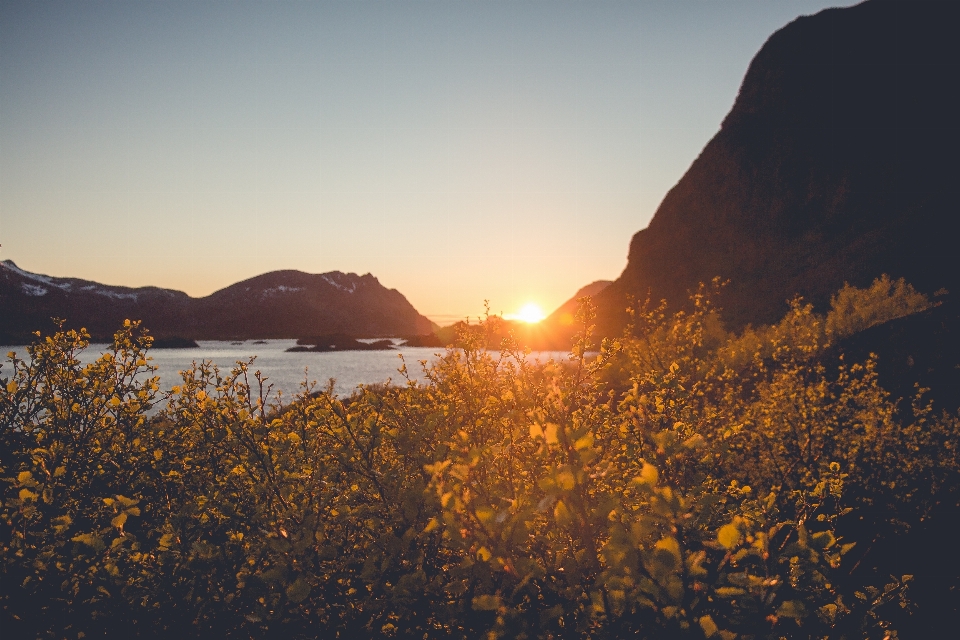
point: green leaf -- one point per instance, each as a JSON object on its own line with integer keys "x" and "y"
{"x": 298, "y": 591}
{"x": 792, "y": 609}
{"x": 823, "y": 540}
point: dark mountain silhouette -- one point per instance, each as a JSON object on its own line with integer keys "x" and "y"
{"x": 281, "y": 304}
{"x": 28, "y": 301}
{"x": 836, "y": 164}
{"x": 564, "y": 318}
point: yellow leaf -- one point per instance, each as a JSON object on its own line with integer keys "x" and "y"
{"x": 12, "y": 386}
{"x": 792, "y": 609}
{"x": 127, "y": 502}
{"x": 89, "y": 539}
{"x": 166, "y": 541}
{"x": 485, "y": 514}
{"x": 729, "y": 535}
{"x": 666, "y": 557}
{"x": 648, "y": 474}
{"x": 119, "y": 520}
{"x": 486, "y": 603}
{"x": 550, "y": 433}
{"x": 669, "y": 544}
{"x": 565, "y": 480}
{"x": 584, "y": 443}
{"x": 709, "y": 626}
{"x": 484, "y": 554}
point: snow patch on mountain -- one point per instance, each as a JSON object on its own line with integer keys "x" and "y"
{"x": 333, "y": 279}
{"x": 33, "y": 289}
{"x": 282, "y": 288}
{"x": 43, "y": 282}
{"x": 36, "y": 277}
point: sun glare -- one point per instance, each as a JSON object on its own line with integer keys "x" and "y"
{"x": 530, "y": 313}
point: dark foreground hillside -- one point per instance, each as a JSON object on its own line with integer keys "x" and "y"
{"x": 835, "y": 164}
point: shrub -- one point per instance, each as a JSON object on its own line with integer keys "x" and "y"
{"x": 683, "y": 483}
{"x": 852, "y": 310}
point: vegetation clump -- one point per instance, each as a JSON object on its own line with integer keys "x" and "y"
{"x": 682, "y": 483}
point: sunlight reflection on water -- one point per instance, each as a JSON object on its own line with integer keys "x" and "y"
{"x": 288, "y": 371}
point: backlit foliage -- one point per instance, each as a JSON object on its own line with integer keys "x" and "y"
{"x": 682, "y": 482}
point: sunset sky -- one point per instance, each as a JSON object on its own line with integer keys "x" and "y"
{"x": 459, "y": 151}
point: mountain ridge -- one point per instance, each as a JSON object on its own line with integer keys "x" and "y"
{"x": 832, "y": 166}
{"x": 278, "y": 304}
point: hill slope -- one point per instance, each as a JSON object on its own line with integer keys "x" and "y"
{"x": 834, "y": 165}
{"x": 281, "y": 304}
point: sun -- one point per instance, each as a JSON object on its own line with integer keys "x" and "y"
{"x": 530, "y": 313}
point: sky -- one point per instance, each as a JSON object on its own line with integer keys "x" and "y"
{"x": 459, "y": 151}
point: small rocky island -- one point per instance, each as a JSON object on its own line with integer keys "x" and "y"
{"x": 174, "y": 342}
{"x": 424, "y": 340}
{"x": 339, "y": 342}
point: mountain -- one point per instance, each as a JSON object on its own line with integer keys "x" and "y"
{"x": 281, "y": 304}
{"x": 836, "y": 164}
{"x": 288, "y": 304}
{"x": 564, "y": 318}
{"x": 29, "y": 300}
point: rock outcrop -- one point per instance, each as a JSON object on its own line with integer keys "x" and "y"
{"x": 836, "y": 164}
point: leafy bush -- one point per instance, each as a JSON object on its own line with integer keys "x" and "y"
{"x": 852, "y": 310}
{"x": 678, "y": 484}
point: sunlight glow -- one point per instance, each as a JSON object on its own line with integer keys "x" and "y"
{"x": 530, "y": 312}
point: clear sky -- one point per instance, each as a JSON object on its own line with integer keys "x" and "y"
{"x": 459, "y": 151}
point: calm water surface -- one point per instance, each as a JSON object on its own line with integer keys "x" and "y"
{"x": 288, "y": 371}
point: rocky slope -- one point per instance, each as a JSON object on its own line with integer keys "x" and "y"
{"x": 560, "y": 325}
{"x": 836, "y": 164}
{"x": 281, "y": 304}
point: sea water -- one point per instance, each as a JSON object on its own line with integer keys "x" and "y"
{"x": 285, "y": 373}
